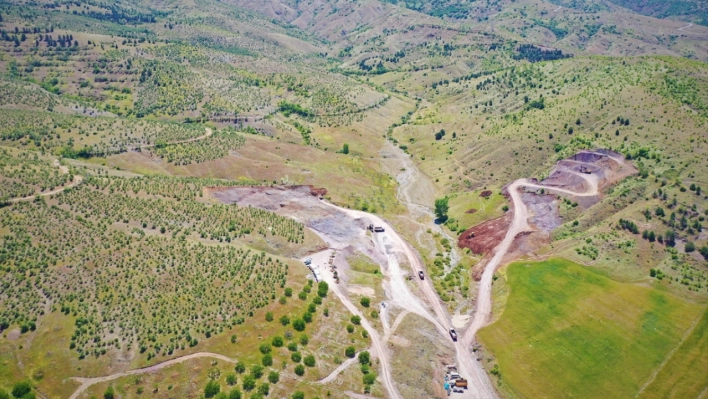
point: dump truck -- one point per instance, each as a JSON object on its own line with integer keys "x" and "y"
{"x": 461, "y": 383}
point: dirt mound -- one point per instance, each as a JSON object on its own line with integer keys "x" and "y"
{"x": 543, "y": 211}
{"x": 484, "y": 237}
{"x": 485, "y": 193}
{"x": 471, "y": 210}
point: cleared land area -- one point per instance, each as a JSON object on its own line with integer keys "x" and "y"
{"x": 568, "y": 331}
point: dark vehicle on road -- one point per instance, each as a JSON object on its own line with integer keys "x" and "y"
{"x": 420, "y": 274}
{"x": 453, "y": 334}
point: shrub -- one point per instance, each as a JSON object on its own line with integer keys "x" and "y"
{"x": 257, "y": 371}
{"x": 296, "y": 357}
{"x": 211, "y": 389}
{"x": 267, "y": 360}
{"x": 269, "y": 316}
{"x": 292, "y": 347}
{"x": 300, "y": 370}
{"x": 285, "y": 320}
{"x": 264, "y": 389}
{"x": 309, "y": 361}
{"x": 364, "y": 357}
{"x": 231, "y": 379}
{"x": 365, "y": 301}
{"x": 322, "y": 289}
{"x": 704, "y": 252}
{"x": 350, "y": 328}
{"x": 110, "y": 393}
{"x": 288, "y": 292}
{"x": 369, "y": 378}
{"x": 273, "y": 377}
{"x": 299, "y": 325}
{"x": 249, "y": 382}
{"x": 235, "y": 394}
{"x": 350, "y": 352}
{"x": 690, "y": 247}
{"x": 356, "y": 320}
{"x": 264, "y": 348}
{"x": 307, "y": 317}
{"x": 298, "y": 395}
{"x": 240, "y": 368}
{"x": 277, "y": 341}
{"x": 304, "y": 339}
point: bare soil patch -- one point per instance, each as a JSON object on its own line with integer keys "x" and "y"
{"x": 484, "y": 237}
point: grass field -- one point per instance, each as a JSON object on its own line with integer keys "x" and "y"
{"x": 684, "y": 374}
{"x": 568, "y": 331}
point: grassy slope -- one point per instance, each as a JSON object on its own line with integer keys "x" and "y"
{"x": 568, "y": 331}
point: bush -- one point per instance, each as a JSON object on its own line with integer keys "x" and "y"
{"x": 299, "y": 324}
{"x": 269, "y": 316}
{"x": 350, "y": 352}
{"x": 240, "y": 368}
{"x": 257, "y": 371}
{"x": 288, "y": 292}
{"x": 231, "y": 379}
{"x": 309, "y": 361}
{"x": 292, "y": 347}
{"x": 273, "y": 377}
{"x": 304, "y": 339}
{"x": 285, "y": 320}
{"x": 365, "y": 301}
{"x": 322, "y": 289}
{"x": 704, "y": 252}
{"x": 249, "y": 383}
{"x": 356, "y": 320}
{"x": 21, "y": 389}
{"x": 264, "y": 389}
{"x": 3, "y": 394}
{"x": 210, "y": 390}
{"x": 277, "y": 341}
{"x": 350, "y": 328}
{"x": 300, "y": 370}
{"x": 364, "y": 357}
{"x": 298, "y": 395}
{"x": 264, "y": 348}
{"x": 307, "y": 317}
{"x": 690, "y": 247}
{"x": 235, "y": 394}
{"x": 369, "y": 378}
{"x": 296, "y": 357}
{"x": 267, "y": 360}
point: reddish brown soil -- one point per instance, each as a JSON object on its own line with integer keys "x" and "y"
{"x": 471, "y": 210}
{"x": 484, "y": 237}
{"x": 317, "y": 192}
{"x": 485, "y": 193}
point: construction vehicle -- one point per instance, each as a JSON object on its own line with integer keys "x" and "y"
{"x": 453, "y": 334}
{"x": 379, "y": 229}
{"x": 461, "y": 383}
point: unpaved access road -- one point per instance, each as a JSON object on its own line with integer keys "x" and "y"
{"x": 64, "y": 170}
{"x": 87, "y": 382}
{"x": 208, "y": 133}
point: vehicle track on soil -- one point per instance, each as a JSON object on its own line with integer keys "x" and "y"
{"x": 87, "y": 382}
{"x": 64, "y": 170}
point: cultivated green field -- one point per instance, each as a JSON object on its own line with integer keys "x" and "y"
{"x": 569, "y": 332}
{"x": 684, "y": 373}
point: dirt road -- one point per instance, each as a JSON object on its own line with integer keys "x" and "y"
{"x": 64, "y": 170}
{"x": 87, "y": 382}
{"x": 208, "y": 133}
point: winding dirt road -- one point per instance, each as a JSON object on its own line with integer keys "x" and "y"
{"x": 87, "y": 382}
{"x": 64, "y": 170}
{"x": 208, "y": 133}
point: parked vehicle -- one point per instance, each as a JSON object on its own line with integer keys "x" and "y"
{"x": 453, "y": 334}
{"x": 379, "y": 229}
{"x": 421, "y": 275}
{"x": 461, "y": 383}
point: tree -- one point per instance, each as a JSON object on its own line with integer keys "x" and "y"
{"x": 304, "y": 339}
{"x": 365, "y": 301}
{"x": 350, "y": 352}
{"x": 288, "y": 292}
{"x": 21, "y": 389}
{"x": 231, "y": 379}
{"x": 277, "y": 341}
{"x": 298, "y": 395}
{"x": 211, "y": 389}
{"x": 704, "y": 252}
{"x": 249, "y": 382}
{"x": 356, "y": 320}
{"x": 269, "y": 316}
{"x": 273, "y": 377}
{"x": 670, "y": 238}
{"x": 369, "y": 378}
{"x": 690, "y": 247}
{"x": 307, "y": 317}
{"x": 296, "y": 357}
{"x": 364, "y": 357}
{"x": 300, "y": 370}
{"x": 292, "y": 347}
{"x": 235, "y": 394}
{"x": 441, "y": 208}
{"x": 322, "y": 289}
{"x": 309, "y": 361}
{"x": 299, "y": 325}
{"x": 267, "y": 360}
{"x": 3, "y": 394}
{"x": 263, "y": 389}
{"x": 285, "y": 320}
{"x": 345, "y": 148}
{"x": 264, "y": 348}
{"x": 240, "y": 367}
{"x": 257, "y": 371}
